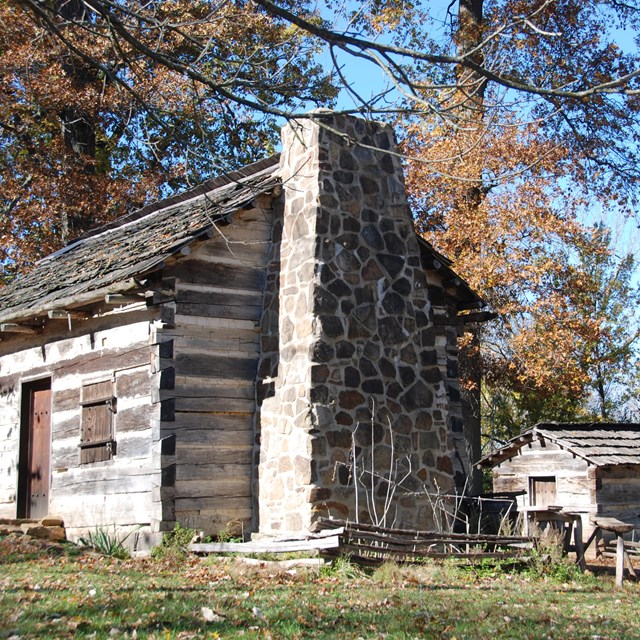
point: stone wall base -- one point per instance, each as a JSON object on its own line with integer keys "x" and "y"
{"x": 49, "y": 528}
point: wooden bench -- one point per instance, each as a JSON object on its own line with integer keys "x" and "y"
{"x": 618, "y": 527}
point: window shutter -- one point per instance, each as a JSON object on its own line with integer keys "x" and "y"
{"x": 98, "y": 406}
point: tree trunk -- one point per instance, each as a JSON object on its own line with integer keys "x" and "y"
{"x": 78, "y": 130}
{"x": 471, "y": 93}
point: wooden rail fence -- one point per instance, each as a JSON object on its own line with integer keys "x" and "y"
{"x": 373, "y": 544}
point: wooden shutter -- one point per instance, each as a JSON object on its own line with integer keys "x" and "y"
{"x": 98, "y": 407}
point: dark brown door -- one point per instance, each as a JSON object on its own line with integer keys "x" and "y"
{"x": 35, "y": 451}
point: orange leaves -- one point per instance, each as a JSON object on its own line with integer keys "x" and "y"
{"x": 494, "y": 197}
{"x": 144, "y": 102}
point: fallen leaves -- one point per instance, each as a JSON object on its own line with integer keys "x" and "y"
{"x": 147, "y": 599}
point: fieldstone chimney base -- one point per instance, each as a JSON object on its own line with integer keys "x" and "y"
{"x": 354, "y": 422}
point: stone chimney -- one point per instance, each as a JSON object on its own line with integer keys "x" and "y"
{"x": 353, "y": 420}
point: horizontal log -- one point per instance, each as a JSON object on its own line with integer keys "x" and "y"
{"x": 216, "y": 366}
{"x": 133, "y": 384}
{"x": 212, "y": 524}
{"x": 112, "y": 360}
{"x": 235, "y": 509}
{"x": 65, "y": 457}
{"x": 10, "y": 386}
{"x": 210, "y": 505}
{"x": 118, "y": 484}
{"x": 411, "y": 534}
{"x": 66, "y": 399}
{"x": 619, "y": 472}
{"x": 422, "y": 547}
{"x": 625, "y": 513}
{"x": 193, "y": 386}
{"x": 12, "y": 327}
{"x": 213, "y": 404}
{"x": 356, "y": 554}
{"x": 244, "y": 344}
{"x": 206, "y": 439}
{"x": 234, "y": 488}
{"x": 218, "y": 274}
{"x": 332, "y": 542}
{"x": 619, "y": 491}
{"x": 186, "y": 454}
{"x": 219, "y": 296}
{"x": 134, "y": 419}
{"x": 245, "y": 242}
{"x": 103, "y": 510}
{"x": 113, "y": 470}
{"x": 133, "y": 445}
{"x": 540, "y": 461}
{"x": 252, "y": 312}
{"x": 69, "y": 428}
{"x": 232, "y": 472}
{"x": 213, "y": 422}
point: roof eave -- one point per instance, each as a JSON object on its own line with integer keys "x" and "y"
{"x": 70, "y": 302}
{"x": 469, "y": 299}
{"x": 515, "y": 444}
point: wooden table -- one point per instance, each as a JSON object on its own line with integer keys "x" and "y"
{"x": 571, "y": 523}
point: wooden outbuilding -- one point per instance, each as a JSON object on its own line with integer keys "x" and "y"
{"x": 216, "y": 358}
{"x": 589, "y": 469}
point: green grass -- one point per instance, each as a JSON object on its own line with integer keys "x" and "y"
{"x": 57, "y": 591}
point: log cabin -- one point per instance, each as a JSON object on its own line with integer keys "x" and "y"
{"x": 590, "y": 469}
{"x": 227, "y": 358}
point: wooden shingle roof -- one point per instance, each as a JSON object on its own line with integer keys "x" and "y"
{"x": 110, "y": 257}
{"x": 600, "y": 444}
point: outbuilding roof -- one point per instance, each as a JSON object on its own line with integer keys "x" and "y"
{"x": 599, "y": 443}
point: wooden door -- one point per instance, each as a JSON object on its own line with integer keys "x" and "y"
{"x": 543, "y": 491}
{"x": 35, "y": 454}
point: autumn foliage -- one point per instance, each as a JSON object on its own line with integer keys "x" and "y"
{"x": 500, "y": 184}
{"x": 517, "y": 116}
{"x": 515, "y": 236}
{"x": 91, "y": 127}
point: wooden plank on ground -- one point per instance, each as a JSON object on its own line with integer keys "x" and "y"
{"x": 288, "y": 546}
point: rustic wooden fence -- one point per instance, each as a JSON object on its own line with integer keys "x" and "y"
{"x": 373, "y": 544}
{"x": 370, "y": 544}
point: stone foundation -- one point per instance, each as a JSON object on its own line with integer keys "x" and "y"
{"x": 354, "y": 414}
{"x": 49, "y": 528}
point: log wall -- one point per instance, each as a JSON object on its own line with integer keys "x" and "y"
{"x": 612, "y": 492}
{"x": 447, "y": 329}
{"x": 618, "y": 493}
{"x": 112, "y": 346}
{"x": 208, "y": 375}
